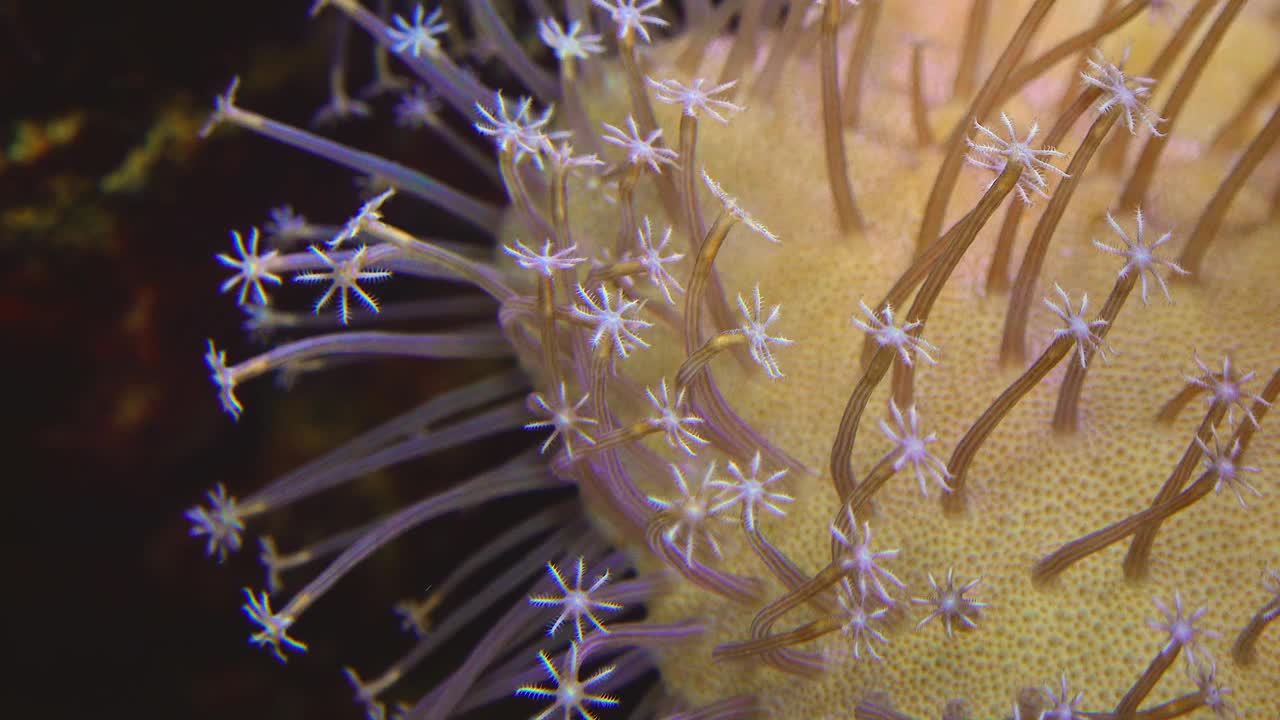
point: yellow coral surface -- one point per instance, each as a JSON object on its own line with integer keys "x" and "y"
{"x": 1030, "y": 489}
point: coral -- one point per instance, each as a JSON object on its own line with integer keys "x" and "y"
{"x": 1123, "y": 457}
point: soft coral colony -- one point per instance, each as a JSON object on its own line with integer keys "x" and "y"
{"x": 678, "y": 172}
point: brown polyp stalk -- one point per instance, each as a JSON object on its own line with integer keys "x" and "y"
{"x": 1013, "y": 343}
{"x": 721, "y": 313}
{"x": 953, "y": 155}
{"x": 962, "y": 456}
{"x": 998, "y": 271}
{"x": 621, "y": 497}
{"x": 550, "y": 345}
{"x": 1076, "y": 550}
{"x": 519, "y": 194}
{"x": 1244, "y": 650}
{"x": 856, "y": 70}
{"x": 862, "y": 493}
{"x": 1066, "y": 415}
{"x": 617, "y": 437}
{"x": 1144, "y": 171}
{"x": 698, "y": 359}
{"x": 700, "y": 276}
{"x": 744, "y": 47}
{"x": 778, "y": 563}
{"x": 728, "y": 431}
{"x": 1082, "y": 63}
{"x": 731, "y": 587}
{"x": 627, "y": 209}
{"x": 714, "y": 25}
{"x": 773, "y": 643}
{"x": 1211, "y": 219}
{"x": 922, "y": 306}
{"x": 1059, "y": 560}
{"x": 1114, "y": 156}
{"x": 482, "y": 276}
{"x": 693, "y": 222}
{"x": 1160, "y": 664}
{"x": 1080, "y": 42}
{"x": 919, "y": 111}
{"x": 833, "y": 131}
{"x": 1137, "y": 560}
{"x": 948, "y": 257}
{"x": 783, "y": 47}
{"x": 1234, "y": 130}
{"x": 1178, "y": 707}
{"x": 915, "y": 274}
{"x": 763, "y": 621}
{"x": 868, "y": 710}
{"x": 646, "y": 120}
{"x": 847, "y": 432}
{"x": 970, "y": 53}
{"x": 1176, "y": 404}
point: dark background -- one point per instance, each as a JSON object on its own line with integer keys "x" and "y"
{"x": 106, "y": 298}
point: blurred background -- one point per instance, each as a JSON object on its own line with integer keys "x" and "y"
{"x": 110, "y": 214}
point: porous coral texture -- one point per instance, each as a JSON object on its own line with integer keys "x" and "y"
{"x": 1030, "y": 489}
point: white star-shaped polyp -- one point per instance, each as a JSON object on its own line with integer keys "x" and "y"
{"x": 1082, "y": 331}
{"x": 914, "y": 449}
{"x": 756, "y": 330}
{"x": 1062, "y": 704}
{"x": 950, "y": 604}
{"x": 563, "y": 418}
{"x": 654, "y": 262}
{"x": 1119, "y": 89}
{"x": 694, "y": 99}
{"x": 1228, "y": 388}
{"x": 670, "y": 420}
{"x": 858, "y": 622}
{"x": 630, "y": 17}
{"x": 567, "y": 44}
{"x": 640, "y": 151}
{"x": 609, "y": 316}
{"x": 576, "y": 600}
{"x": 887, "y": 334}
{"x": 1181, "y": 628}
{"x": 691, "y": 515}
{"x": 752, "y": 492}
{"x": 996, "y": 156}
{"x": 546, "y": 262}
{"x": 1140, "y": 256}
{"x": 1221, "y": 461}
{"x": 864, "y": 565}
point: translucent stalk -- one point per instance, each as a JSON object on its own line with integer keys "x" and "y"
{"x": 922, "y": 306}
{"x": 953, "y": 155}
{"x": 1115, "y": 154}
{"x": 971, "y": 51}
{"x": 1144, "y": 171}
{"x": 646, "y": 120}
{"x": 919, "y": 111}
{"x": 1234, "y": 130}
{"x": 1013, "y": 343}
{"x": 965, "y": 451}
{"x": 1210, "y": 222}
{"x": 490, "y": 25}
{"x": 1160, "y": 664}
{"x": 855, "y": 71}
{"x": 833, "y": 129}
{"x": 1138, "y": 559}
{"x": 480, "y": 214}
{"x": 1066, "y": 415}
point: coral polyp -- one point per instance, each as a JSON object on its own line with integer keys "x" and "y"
{"x": 929, "y": 195}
